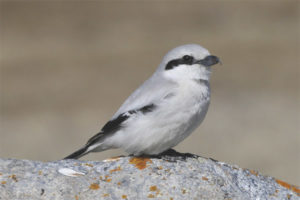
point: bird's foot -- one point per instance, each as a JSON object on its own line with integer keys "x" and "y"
{"x": 171, "y": 155}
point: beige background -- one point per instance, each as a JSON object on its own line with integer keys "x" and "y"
{"x": 67, "y": 67}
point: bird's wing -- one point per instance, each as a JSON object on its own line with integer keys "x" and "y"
{"x": 152, "y": 91}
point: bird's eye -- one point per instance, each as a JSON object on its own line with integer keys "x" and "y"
{"x": 187, "y": 58}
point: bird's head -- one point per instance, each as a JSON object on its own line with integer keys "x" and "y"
{"x": 187, "y": 62}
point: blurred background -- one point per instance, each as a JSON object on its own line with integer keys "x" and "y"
{"x": 66, "y": 67}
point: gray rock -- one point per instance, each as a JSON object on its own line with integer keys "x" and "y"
{"x": 183, "y": 176}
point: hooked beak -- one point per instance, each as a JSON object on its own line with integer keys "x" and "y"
{"x": 209, "y": 61}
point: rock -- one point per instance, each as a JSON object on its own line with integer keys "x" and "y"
{"x": 177, "y": 176}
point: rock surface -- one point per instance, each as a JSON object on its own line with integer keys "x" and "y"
{"x": 184, "y": 176}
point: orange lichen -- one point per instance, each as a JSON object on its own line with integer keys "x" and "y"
{"x": 107, "y": 179}
{"x": 296, "y": 189}
{"x": 253, "y": 172}
{"x": 171, "y": 198}
{"x": 94, "y": 186}
{"x": 40, "y": 172}
{"x": 76, "y": 197}
{"x": 14, "y": 177}
{"x": 153, "y": 188}
{"x": 105, "y": 195}
{"x": 288, "y": 186}
{"x": 151, "y": 196}
{"x": 119, "y": 183}
{"x": 115, "y": 170}
{"x": 3, "y": 182}
{"x": 140, "y": 162}
{"x": 204, "y": 178}
{"x": 124, "y": 196}
{"x": 160, "y": 167}
{"x": 283, "y": 184}
{"x": 89, "y": 165}
{"x": 275, "y": 193}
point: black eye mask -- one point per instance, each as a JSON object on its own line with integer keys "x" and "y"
{"x": 189, "y": 60}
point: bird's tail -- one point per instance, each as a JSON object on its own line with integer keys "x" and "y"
{"x": 79, "y": 153}
{"x": 94, "y": 144}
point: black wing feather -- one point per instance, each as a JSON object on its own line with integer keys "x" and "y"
{"x": 110, "y": 127}
{"x": 78, "y": 153}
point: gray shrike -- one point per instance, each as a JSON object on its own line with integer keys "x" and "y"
{"x": 164, "y": 110}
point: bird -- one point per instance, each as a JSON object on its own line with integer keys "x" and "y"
{"x": 164, "y": 110}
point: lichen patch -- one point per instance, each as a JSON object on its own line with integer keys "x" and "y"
{"x": 94, "y": 186}
{"x": 288, "y": 186}
{"x": 106, "y": 178}
{"x": 153, "y": 188}
{"x": 13, "y": 177}
{"x": 89, "y": 165}
{"x": 140, "y": 162}
{"x": 253, "y": 172}
{"x": 115, "y": 170}
{"x": 296, "y": 189}
{"x": 275, "y": 193}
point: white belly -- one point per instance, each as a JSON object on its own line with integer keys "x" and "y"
{"x": 166, "y": 126}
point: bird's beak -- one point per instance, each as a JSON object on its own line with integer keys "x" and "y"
{"x": 209, "y": 61}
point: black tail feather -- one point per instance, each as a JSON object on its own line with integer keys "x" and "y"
{"x": 77, "y": 154}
